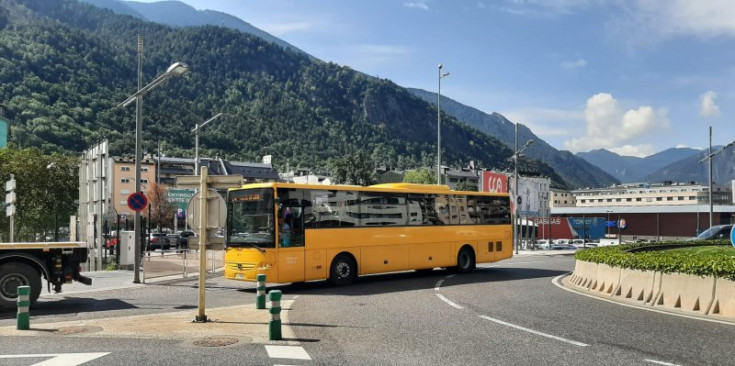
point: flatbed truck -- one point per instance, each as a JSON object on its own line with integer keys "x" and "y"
{"x": 26, "y": 264}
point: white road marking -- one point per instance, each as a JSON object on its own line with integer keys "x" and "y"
{"x": 61, "y": 359}
{"x": 290, "y": 352}
{"x": 580, "y": 344}
{"x": 557, "y": 281}
{"x": 442, "y": 298}
{"x": 661, "y": 362}
{"x": 438, "y": 285}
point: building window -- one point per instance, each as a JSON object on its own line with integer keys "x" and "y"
{"x": 124, "y": 191}
{"x": 144, "y": 181}
{"x": 124, "y": 203}
{"x": 617, "y": 200}
{"x": 639, "y": 199}
{"x": 125, "y": 168}
{"x": 669, "y": 198}
{"x": 125, "y": 180}
{"x": 144, "y": 169}
{"x": 628, "y": 199}
{"x": 680, "y": 198}
{"x": 609, "y": 200}
{"x": 659, "y": 199}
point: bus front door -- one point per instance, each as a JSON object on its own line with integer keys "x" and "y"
{"x": 290, "y": 236}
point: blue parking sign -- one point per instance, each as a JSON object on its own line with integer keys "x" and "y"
{"x": 732, "y": 236}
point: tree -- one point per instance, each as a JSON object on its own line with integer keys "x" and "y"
{"x": 466, "y": 186}
{"x": 354, "y": 168}
{"x": 46, "y": 189}
{"x": 419, "y": 176}
{"x": 162, "y": 211}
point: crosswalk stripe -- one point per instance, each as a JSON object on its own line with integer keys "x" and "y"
{"x": 289, "y": 352}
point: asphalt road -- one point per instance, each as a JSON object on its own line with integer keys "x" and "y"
{"x": 508, "y": 313}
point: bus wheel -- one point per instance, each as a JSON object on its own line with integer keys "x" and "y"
{"x": 343, "y": 270}
{"x": 465, "y": 260}
{"x": 13, "y": 275}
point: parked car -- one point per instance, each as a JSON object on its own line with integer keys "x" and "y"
{"x": 158, "y": 241}
{"x": 715, "y": 232}
{"x": 541, "y": 244}
{"x": 183, "y": 241}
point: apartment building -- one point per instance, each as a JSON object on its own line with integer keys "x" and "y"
{"x": 661, "y": 194}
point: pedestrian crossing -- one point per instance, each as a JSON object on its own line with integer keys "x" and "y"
{"x": 296, "y": 353}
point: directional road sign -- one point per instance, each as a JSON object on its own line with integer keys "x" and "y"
{"x": 137, "y": 201}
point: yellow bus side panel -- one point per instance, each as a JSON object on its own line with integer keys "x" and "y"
{"x": 431, "y": 255}
{"x": 384, "y": 258}
{"x": 291, "y": 264}
{"x": 316, "y": 264}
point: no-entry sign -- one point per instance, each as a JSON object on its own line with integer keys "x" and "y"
{"x": 137, "y": 201}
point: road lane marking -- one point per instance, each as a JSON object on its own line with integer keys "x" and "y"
{"x": 438, "y": 285}
{"x": 442, "y": 298}
{"x": 580, "y": 344}
{"x": 557, "y": 281}
{"x": 289, "y": 352}
{"x": 661, "y": 362}
{"x": 61, "y": 359}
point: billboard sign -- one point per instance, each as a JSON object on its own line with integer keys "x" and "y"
{"x": 493, "y": 182}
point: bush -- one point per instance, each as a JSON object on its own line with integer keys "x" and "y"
{"x": 635, "y": 256}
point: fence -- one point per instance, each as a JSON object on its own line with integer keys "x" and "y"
{"x": 182, "y": 263}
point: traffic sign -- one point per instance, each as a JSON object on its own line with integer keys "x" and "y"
{"x": 137, "y": 201}
{"x": 520, "y": 200}
{"x": 732, "y": 236}
{"x": 216, "y": 211}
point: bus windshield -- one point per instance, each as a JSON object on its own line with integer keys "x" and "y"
{"x": 251, "y": 218}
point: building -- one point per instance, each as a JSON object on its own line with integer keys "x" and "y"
{"x": 661, "y": 194}
{"x": 122, "y": 179}
{"x": 561, "y": 198}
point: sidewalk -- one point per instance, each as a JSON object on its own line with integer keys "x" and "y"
{"x": 544, "y": 253}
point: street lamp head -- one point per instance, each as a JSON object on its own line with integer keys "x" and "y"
{"x": 440, "y": 66}
{"x": 177, "y": 69}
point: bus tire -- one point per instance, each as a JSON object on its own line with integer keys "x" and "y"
{"x": 465, "y": 260}
{"x": 16, "y": 274}
{"x": 343, "y": 270}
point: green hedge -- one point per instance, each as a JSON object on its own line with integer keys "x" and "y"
{"x": 663, "y": 260}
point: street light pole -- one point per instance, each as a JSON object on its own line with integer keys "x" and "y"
{"x": 709, "y": 158}
{"x": 196, "y": 129}
{"x": 515, "y": 188}
{"x": 176, "y": 69}
{"x": 439, "y": 128}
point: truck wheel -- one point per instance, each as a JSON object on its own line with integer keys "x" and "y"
{"x": 13, "y": 275}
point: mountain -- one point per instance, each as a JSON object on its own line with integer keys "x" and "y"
{"x": 690, "y": 169}
{"x": 578, "y": 172}
{"x": 178, "y": 14}
{"x": 65, "y": 67}
{"x": 630, "y": 169}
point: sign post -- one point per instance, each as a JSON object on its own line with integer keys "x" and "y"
{"x": 10, "y": 203}
{"x": 204, "y": 181}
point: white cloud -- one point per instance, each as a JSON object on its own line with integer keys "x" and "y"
{"x": 416, "y": 5}
{"x": 609, "y": 127}
{"x": 368, "y": 57}
{"x": 640, "y": 151}
{"x": 546, "y": 122}
{"x": 543, "y": 8}
{"x": 647, "y": 20}
{"x": 281, "y": 29}
{"x": 574, "y": 64}
{"x": 708, "y": 107}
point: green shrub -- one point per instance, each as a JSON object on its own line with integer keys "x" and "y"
{"x": 666, "y": 261}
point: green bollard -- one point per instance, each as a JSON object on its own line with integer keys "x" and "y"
{"x": 24, "y": 303}
{"x": 260, "y": 298}
{"x": 274, "y": 326}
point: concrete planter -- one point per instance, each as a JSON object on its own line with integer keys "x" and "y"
{"x": 675, "y": 291}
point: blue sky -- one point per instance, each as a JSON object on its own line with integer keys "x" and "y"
{"x": 633, "y": 76}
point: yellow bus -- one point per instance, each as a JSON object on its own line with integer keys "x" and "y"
{"x": 299, "y": 232}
